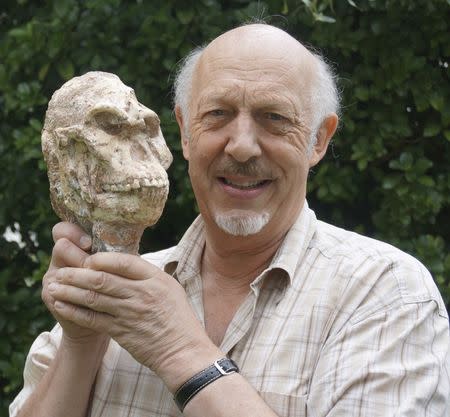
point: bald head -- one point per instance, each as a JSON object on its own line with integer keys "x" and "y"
{"x": 253, "y": 44}
{"x": 257, "y": 39}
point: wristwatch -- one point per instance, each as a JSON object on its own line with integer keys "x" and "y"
{"x": 192, "y": 386}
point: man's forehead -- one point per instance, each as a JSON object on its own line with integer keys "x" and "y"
{"x": 251, "y": 50}
{"x": 260, "y": 95}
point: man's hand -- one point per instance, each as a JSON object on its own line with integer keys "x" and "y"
{"x": 69, "y": 251}
{"x": 144, "y": 309}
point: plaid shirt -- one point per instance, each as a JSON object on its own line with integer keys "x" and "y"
{"x": 337, "y": 325}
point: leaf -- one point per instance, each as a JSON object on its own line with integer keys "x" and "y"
{"x": 19, "y": 33}
{"x": 65, "y": 69}
{"x": 427, "y": 181}
{"x": 43, "y": 71}
{"x": 322, "y": 192}
{"x": 406, "y": 160}
{"x": 362, "y": 93}
{"x": 63, "y": 7}
{"x": 390, "y": 182}
{"x": 352, "y": 3}
{"x": 362, "y": 164}
{"x": 322, "y": 18}
{"x": 422, "y": 165}
{"x": 185, "y": 16}
{"x": 431, "y": 129}
{"x": 36, "y": 124}
{"x": 437, "y": 101}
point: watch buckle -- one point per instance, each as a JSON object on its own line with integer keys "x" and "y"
{"x": 221, "y": 370}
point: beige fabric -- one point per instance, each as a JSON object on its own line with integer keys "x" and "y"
{"x": 338, "y": 325}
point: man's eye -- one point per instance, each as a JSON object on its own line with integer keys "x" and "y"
{"x": 217, "y": 112}
{"x": 274, "y": 116}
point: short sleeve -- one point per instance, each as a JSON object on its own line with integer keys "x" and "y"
{"x": 40, "y": 356}
{"x": 391, "y": 363}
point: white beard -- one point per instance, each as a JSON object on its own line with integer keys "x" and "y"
{"x": 242, "y": 224}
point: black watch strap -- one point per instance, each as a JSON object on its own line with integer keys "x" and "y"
{"x": 199, "y": 381}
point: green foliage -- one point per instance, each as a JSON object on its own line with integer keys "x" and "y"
{"x": 387, "y": 174}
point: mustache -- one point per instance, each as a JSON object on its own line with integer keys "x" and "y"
{"x": 251, "y": 168}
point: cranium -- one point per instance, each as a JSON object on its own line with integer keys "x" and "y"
{"x": 106, "y": 159}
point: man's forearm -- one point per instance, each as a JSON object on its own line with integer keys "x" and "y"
{"x": 65, "y": 389}
{"x": 230, "y": 396}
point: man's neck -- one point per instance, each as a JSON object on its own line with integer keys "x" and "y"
{"x": 229, "y": 265}
{"x": 234, "y": 262}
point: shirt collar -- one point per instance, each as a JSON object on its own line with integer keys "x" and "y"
{"x": 293, "y": 248}
{"x": 185, "y": 261}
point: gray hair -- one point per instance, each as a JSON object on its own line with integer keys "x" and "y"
{"x": 324, "y": 93}
{"x": 183, "y": 84}
{"x": 325, "y": 98}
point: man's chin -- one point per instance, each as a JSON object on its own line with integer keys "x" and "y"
{"x": 242, "y": 224}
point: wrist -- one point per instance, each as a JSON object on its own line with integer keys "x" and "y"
{"x": 86, "y": 346}
{"x": 177, "y": 368}
{"x": 195, "y": 384}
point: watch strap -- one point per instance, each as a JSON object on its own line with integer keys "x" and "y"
{"x": 192, "y": 386}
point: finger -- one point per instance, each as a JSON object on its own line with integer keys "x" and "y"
{"x": 66, "y": 253}
{"x": 128, "y": 266}
{"x": 100, "y": 322}
{"x": 99, "y": 281}
{"x": 73, "y": 233}
{"x": 47, "y": 299}
{"x": 85, "y": 298}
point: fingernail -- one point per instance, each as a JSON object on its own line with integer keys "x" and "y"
{"x": 59, "y": 305}
{"x": 85, "y": 242}
{"x": 53, "y": 287}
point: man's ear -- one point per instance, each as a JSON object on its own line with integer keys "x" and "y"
{"x": 323, "y": 137}
{"x": 184, "y": 138}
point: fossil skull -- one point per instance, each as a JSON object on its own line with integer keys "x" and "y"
{"x": 106, "y": 158}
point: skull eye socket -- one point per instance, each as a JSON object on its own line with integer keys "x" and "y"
{"x": 109, "y": 122}
{"x": 152, "y": 124}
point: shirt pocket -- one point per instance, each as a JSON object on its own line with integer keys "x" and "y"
{"x": 285, "y": 405}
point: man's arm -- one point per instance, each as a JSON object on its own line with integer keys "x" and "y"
{"x": 392, "y": 363}
{"x": 147, "y": 312}
{"x": 65, "y": 388}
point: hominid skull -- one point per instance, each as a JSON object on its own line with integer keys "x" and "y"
{"x": 106, "y": 159}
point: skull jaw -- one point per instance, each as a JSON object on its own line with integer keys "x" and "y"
{"x": 115, "y": 221}
{"x": 121, "y": 230}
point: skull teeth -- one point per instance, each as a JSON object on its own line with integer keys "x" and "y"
{"x": 134, "y": 185}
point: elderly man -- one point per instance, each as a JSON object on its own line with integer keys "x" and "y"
{"x": 319, "y": 321}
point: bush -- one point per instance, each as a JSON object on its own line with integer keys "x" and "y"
{"x": 387, "y": 174}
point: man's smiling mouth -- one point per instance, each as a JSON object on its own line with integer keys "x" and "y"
{"x": 244, "y": 185}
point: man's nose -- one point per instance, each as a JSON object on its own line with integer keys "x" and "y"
{"x": 243, "y": 141}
